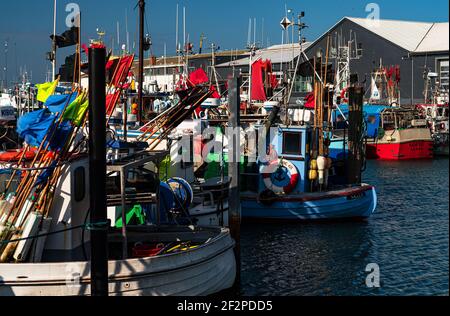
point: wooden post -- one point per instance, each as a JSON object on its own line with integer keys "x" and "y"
{"x": 234, "y": 214}
{"x": 97, "y": 170}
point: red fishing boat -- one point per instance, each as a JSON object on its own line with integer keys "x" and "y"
{"x": 401, "y": 135}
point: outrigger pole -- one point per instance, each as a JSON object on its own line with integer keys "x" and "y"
{"x": 141, "y": 58}
{"x": 54, "y": 42}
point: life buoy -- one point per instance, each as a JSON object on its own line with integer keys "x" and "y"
{"x": 343, "y": 98}
{"x": 278, "y": 170}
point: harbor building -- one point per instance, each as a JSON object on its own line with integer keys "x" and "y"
{"x": 163, "y": 73}
{"x": 417, "y": 48}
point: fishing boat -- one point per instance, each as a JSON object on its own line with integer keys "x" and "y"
{"x": 157, "y": 260}
{"x": 392, "y": 133}
{"x": 287, "y": 187}
{"x": 398, "y": 135}
{"x": 205, "y": 270}
{"x": 45, "y": 206}
{"x": 293, "y": 185}
{"x": 7, "y": 110}
{"x": 437, "y": 117}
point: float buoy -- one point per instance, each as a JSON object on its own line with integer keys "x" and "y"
{"x": 313, "y": 175}
{"x": 343, "y": 98}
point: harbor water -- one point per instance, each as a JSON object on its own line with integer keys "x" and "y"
{"x": 407, "y": 237}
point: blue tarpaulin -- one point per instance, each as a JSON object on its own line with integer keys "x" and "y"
{"x": 57, "y": 103}
{"x": 371, "y": 113}
{"x": 33, "y": 127}
{"x": 61, "y": 135}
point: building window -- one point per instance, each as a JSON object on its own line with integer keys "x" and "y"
{"x": 292, "y": 143}
{"x": 443, "y": 72}
{"x": 79, "y": 184}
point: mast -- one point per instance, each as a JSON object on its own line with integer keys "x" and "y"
{"x": 213, "y": 64}
{"x": 54, "y": 42}
{"x": 126, "y": 30}
{"x": 141, "y": 58}
{"x": 6, "y": 64}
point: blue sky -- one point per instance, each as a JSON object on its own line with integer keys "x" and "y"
{"x": 27, "y": 24}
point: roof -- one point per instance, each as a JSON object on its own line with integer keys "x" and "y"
{"x": 414, "y": 37}
{"x": 437, "y": 39}
{"x": 175, "y": 61}
{"x": 283, "y": 53}
{"x": 368, "y": 109}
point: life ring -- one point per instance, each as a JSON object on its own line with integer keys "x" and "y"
{"x": 343, "y": 98}
{"x": 278, "y": 170}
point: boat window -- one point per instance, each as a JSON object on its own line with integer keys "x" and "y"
{"x": 80, "y": 184}
{"x": 292, "y": 143}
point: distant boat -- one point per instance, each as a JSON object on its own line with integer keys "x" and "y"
{"x": 437, "y": 117}
{"x": 7, "y": 110}
{"x": 393, "y": 133}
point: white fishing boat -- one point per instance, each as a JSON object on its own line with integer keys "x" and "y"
{"x": 159, "y": 259}
{"x": 205, "y": 270}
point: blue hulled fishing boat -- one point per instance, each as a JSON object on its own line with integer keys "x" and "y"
{"x": 294, "y": 186}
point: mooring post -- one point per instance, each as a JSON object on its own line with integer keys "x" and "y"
{"x": 234, "y": 214}
{"x": 97, "y": 170}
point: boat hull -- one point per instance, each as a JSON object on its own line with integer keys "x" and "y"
{"x": 421, "y": 149}
{"x": 354, "y": 203}
{"x": 402, "y": 144}
{"x": 206, "y": 270}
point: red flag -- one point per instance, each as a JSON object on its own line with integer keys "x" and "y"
{"x": 111, "y": 101}
{"x": 121, "y": 70}
{"x": 198, "y": 76}
{"x": 309, "y": 101}
{"x": 86, "y": 49}
{"x": 258, "y": 92}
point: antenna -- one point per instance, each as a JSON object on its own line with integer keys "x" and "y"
{"x": 6, "y": 63}
{"x": 177, "y": 28}
{"x": 126, "y": 29}
{"x": 262, "y": 33}
{"x": 254, "y": 31}
{"x": 184, "y": 28}
{"x": 118, "y": 34}
{"x": 249, "y": 35}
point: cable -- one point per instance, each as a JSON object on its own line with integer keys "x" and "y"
{"x": 89, "y": 226}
